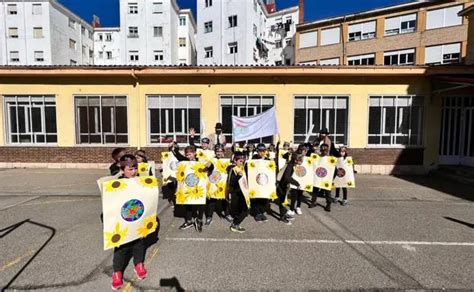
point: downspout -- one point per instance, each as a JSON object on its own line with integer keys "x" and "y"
{"x": 137, "y": 88}
{"x": 343, "y": 41}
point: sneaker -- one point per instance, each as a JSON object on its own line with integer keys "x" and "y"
{"x": 208, "y": 221}
{"x": 290, "y": 213}
{"x": 291, "y": 218}
{"x": 285, "y": 220}
{"x": 327, "y": 208}
{"x": 313, "y": 204}
{"x": 344, "y": 203}
{"x": 186, "y": 225}
{"x": 298, "y": 211}
{"x": 237, "y": 228}
{"x": 229, "y": 218}
{"x": 117, "y": 281}
{"x": 198, "y": 225}
{"x": 140, "y": 271}
{"x": 258, "y": 218}
{"x": 264, "y": 218}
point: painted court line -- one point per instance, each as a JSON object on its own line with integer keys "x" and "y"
{"x": 313, "y": 241}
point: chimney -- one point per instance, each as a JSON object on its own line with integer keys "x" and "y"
{"x": 95, "y": 21}
{"x": 301, "y": 11}
{"x": 271, "y": 6}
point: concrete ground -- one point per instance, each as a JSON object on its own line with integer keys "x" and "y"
{"x": 396, "y": 233}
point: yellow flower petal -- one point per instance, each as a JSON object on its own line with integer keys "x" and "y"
{"x": 116, "y": 237}
{"x": 149, "y": 226}
{"x": 115, "y": 185}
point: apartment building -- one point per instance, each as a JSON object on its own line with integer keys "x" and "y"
{"x": 245, "y": 32}
{"x": 416, "y": 33}
{"x": 150, "y": 33}
{"x": 30, "y": 31}
{"x": 107, "y": 42}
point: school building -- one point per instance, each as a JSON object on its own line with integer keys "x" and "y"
{"x": 406, "y": 119}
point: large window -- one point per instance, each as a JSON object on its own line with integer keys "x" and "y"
{"x": 30, "y": 119}
{"x": 443, "y": 54}
{"x": 404, "y": 57}
{"x": 395, "y": 120}
{"x": 329, "y": 112}
{"x": 208, "y": 27}
{"x": 308, "y": 39}
{"x": 443, "y": 17}
{"x": 171, "y": 116}
{"x": 400, "y": 24}
{"x": 132, "y": 8}
{"x": 362, "y": 31}
{"x": 243, "y": 106}
{"x": 101, "y": 119}
{"x": 330, "y": 36}
{"x": 368, "y": 59}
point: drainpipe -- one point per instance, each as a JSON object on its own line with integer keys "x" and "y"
{"x": 137, "y": 88}
{"x": 343, "y": 41}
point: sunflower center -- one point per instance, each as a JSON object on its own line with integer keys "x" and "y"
{"x": 221, "y": 189}
{"x": 143, "y": 169}
{"x": 115, "y": 184}
{"x": 149, "y": 225}
{"x": 116, "y": 238}
{"x": 148, "y": 181}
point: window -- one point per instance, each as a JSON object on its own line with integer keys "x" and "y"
{"x": 443, "y": 54}
{"x": 72, "y": 44}
{"x": 362, "y": 31}
{"x": 232, "y": 48}
{"x": 308, "y": 63}
{"x": 278, "y": 44}
{"x": 101, "y": 37}
{"x": 14, "y": 56}
{"x": 287, "y": 61}
{"x": 182, "y": 20}
{"x": 395, "y": 120}
{"x": 255, "y": 30}
{"x": 13, "y": 32}
{"x": 329, "y": 112}
{"x": 108, "y": 37}
{"x": 132, "y": 8}
{"x": 182, "y": 42}
{"x": 39, "y": 56}
{"x": 400, "y": 24}
{"x": 158, "y": 55}
{"x": 72, "y": 62}
{"x": 72, "y": 23}
{"x": 208, "y": 52}
{"x": 243, "y": 106}
{"x": 207, "y": 26}
{"x": 11, "y": 9}
{"x": 37, "y": 32}
{"x": 157, "y": 31}
{"x": 101, "y": 119}
{"x": 30, "y": 119}
{"x": 90, "y": 34}
{"x": 182, "y": 62}
{"x": 84, "y": 50}
{"x": 170, "y": 117}
{"x": 208, "y": 3}
{"x": 330, "y": 36}
{"x": 289, "y": 42}
{"x": 332, "y": 61}
{"x": 361, "y": 60}
{"x": 157, "y": 7}
{"x": 308, "y": 39}
{"x": 405, "y": 57}
{"x": 37, "y": 9}
{"x": 278, "y": 63}
{"x": 233, "y": 21}
{"x": 91, "y": 54}
{"x": 132, "y": 31}
{"x": 133, "y": 56}
{"x": 443, "y": 17}
{"x": 101, "y": 54}
{"x": 109, "y": 55}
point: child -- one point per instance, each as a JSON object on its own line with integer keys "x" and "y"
{"x": 204, "y": 141}
{"x": 342, "y": 153}
{"x": 283, "y": 184}
{"x": 296, "y": 195}
{"x": 136, "y": 248}
{"x": 324, "y": 150}
{"x": 238, "y": 206}
{"x": 117, "y": 153}
{"x": 259, "y": 205}
{"x": 141, "y": 156}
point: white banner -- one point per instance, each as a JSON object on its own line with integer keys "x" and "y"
{"x": 261, "y": 125}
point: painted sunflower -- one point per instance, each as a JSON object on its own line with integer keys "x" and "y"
{"x": 116, "y": 237}
{"x": 308, "y": 188}
{"x": 252, "y": 164}
{"x": 181, "y": 197}
{"x": 200, "y": 170}
{"x": 115, "y": 185}
{"x": 309, "y": 161}
{"x": 181, "y": 172}
{"x": 149, "y": 226}
{"x": 325, "y": 185}
{"x": 272, "y": 165}
{"x": 195, "y": 193}
{"x": 252, "y": 194}
{"x": 201, "y": 155}
{"x": 148, "y": 181}
{"x": 350, "y": 184}
{"x": 143, "y": 168}
{"x": 314, "y": 156}
{"x": 349, "y": 161}
{"x": 222, "y": 165}
{"x": 332, "y": 160}
{"x": 164, "y": 156}
{"x": 286, "y": 203}
{"x": 220, "y": 192}
{"x": 273, "y": 196}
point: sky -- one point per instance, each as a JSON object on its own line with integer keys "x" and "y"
{"x": 108, "y": 10}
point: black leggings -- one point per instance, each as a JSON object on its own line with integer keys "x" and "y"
{"x": 238, "y": 208}
{"x": 220, "y": 205}
{"x": 344, "y": 193}
{"x": 194, "y": 211}
{"x": 122, "y": 254}
{"x": 259, "y": 206}
{"x": 296, "y": 199}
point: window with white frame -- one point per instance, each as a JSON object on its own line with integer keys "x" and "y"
{"x": 443, "y": 54}
{"x": 72, "y": 44}
{"x": 362, "y": 31}
{"x": 37, "y": 32}
{"x": 158, "y": 55}
{"x": 232, "y": 48}
{"x": 443, "y": 17}
{"x": 30, "y": 119}
{"x": 182, "y": 42}
{"x": 208, "y": 3}
{"x": 13, "y": 32}
{"x": 101, "y": 54}
{"x": 157, "y": 31}
{"x": 330, "y": 36}
{"x": 101, "y": 37}
{"x": 83, "y": 30}
{"x": 133, "y": 56}
{"x": 158, "y": 7}
{"x": 403, "y": 57}
{"x": 171, "y": 116}
{"x": 368, "y": 59}
{"x": 329, "y": 112}
{"x": 14, "y": 56}
{"x": 39, "y": 56}
{"x": 133, "y": 31}
{"x": 90, "y": 34}
{"x": 208, "y": 27}
{"x": 108, "y": 37}
{"x": 101, "y": 119}
{"x": 233, "y": 21}
{"x": 37, "y": 10}
{"x": 243, "y": 106}
{"x": 109, "y": 55}
{"x": 332, "y": 61}
{"x": 132, "y": 8}
{"x": 314, "y": 62}
{"x": 308, "y": 39}
{"x": 395, "y": 120}
{"x": 400, "y": 24}
{"x": 72, "y": 23}
{"x": 182, "y": 20}
{"x": 12, "y": 9}
{"x": 208, "y": 52}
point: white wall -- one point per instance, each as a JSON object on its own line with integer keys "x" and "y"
{"x": 105, "y": 46}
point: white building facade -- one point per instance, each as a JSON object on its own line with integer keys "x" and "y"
{"x": 43, "y": 32}
{"x": 107, "y": 43}
{"x": 231, "y": 32}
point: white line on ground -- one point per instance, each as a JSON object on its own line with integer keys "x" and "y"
{"x": 19, "y": 203}
{"x": 311, "y": 241}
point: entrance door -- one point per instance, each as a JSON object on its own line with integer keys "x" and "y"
{"x": 457, "y": 137}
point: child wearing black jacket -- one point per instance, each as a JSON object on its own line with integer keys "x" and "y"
{"x": 238, "y": 205}
{"x": 284, "y": 180}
